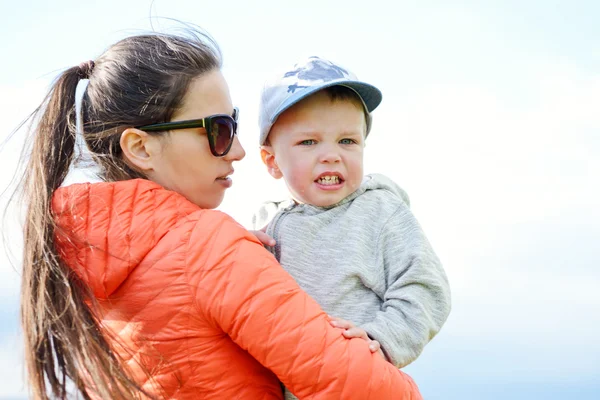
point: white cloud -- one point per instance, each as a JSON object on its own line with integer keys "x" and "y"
{"x": 469, "y": 145}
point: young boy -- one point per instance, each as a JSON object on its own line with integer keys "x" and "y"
{"x": 349, "y": 240}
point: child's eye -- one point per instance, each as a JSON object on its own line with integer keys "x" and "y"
{"x": 347, "y": 141}
{"x": 307, "y": 142}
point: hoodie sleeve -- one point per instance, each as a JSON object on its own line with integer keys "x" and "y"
{"x": 417, "y": 297}
{"x": 241, "y": 289}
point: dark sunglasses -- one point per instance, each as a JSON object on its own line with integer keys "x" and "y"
{"x": 220, "y": 130}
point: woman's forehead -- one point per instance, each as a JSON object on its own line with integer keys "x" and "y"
{"x": 207, "y": 95}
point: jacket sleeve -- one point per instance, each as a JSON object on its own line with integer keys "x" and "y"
{"x": 241, "y": 289}
{"x": 416, "y": 301}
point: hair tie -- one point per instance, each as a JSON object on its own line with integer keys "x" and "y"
{"x": 85, "y": 69}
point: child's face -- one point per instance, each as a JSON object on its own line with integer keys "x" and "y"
{"x": 317, "y": 147}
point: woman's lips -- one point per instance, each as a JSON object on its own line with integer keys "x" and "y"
{"x": 225, "y": 181}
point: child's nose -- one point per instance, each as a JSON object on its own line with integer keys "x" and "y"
{"x": 330, "y": 155}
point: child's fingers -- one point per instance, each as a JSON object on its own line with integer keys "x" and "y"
{"x": 355, "y": 333}
{"x": 374, "y": 346}
{"x": 341, "y": 323}
{"x": 352, "y": 331}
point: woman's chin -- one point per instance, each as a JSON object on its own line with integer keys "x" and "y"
{"x": 210, "y": 203}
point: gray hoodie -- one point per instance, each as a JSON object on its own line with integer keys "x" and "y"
{"x": 366, "y": 260}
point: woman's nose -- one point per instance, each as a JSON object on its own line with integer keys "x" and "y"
{"x": 237, "y": 152}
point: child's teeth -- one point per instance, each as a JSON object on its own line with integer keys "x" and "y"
{"x": 329, "y": 180}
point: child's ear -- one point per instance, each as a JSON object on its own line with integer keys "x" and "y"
{"x": 268, "y": 158}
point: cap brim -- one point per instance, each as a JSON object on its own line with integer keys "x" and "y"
{"x": 369, "y": 94}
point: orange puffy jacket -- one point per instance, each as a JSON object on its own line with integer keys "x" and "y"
{"x": 198, "y": 301}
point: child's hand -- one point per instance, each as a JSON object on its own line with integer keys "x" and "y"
{"x": 265, "y": 239}
{"x": 352, "y": 331}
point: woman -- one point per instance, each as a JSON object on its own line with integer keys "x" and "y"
{"x": 134, "y": 286}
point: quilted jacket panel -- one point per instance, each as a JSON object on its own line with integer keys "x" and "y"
{"x": 200, "y": 308}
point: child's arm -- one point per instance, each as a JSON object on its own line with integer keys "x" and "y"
{"x": 417, "y": 296}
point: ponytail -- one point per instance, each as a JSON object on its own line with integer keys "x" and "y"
{"x": 63, "y": 340}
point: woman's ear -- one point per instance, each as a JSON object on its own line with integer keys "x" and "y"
{"x": 139, "y": 149}
{"x": 268, "y": 158}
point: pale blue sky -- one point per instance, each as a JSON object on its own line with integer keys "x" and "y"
{"x": 490, "y": 120}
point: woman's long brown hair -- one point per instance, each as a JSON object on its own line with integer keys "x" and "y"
{"x": 137, "y": 81}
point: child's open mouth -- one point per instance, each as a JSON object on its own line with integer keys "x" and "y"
{"x": 329, "y": 180}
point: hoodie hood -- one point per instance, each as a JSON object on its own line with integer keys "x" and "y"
{"x": 104, "y": 230}
{"x": 269, "y": 209}
{"x": 377, "y": 182}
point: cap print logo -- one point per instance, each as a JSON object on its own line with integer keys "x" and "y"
{"x": 315, "y": 69}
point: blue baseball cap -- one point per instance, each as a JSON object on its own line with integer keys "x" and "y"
{"x": 307, "y": 77}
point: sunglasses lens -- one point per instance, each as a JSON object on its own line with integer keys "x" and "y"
{"x": 222, "y": 131}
